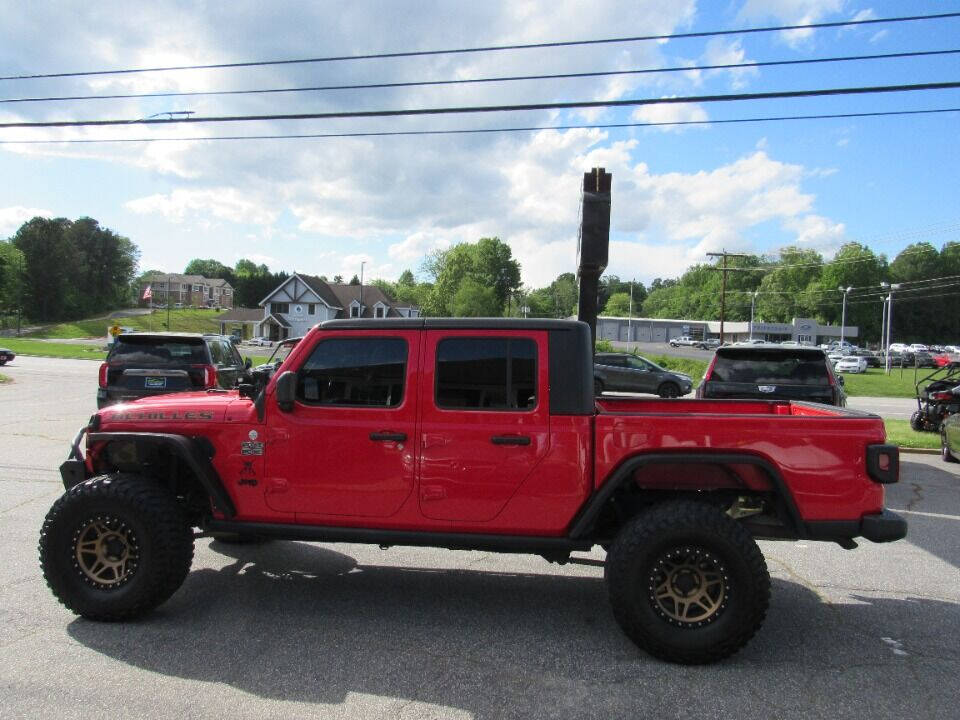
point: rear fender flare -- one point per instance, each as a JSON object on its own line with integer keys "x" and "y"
{"x": 189, "y": 450}
{"x": 584, "y": 523}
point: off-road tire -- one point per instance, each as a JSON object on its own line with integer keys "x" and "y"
{"x": 917, "y": 423}
{"x": 669, "y": 390}
{"x": 148, "y": 522}
{"x": 944, "y": 452}
{"x": 698, "y": 530}
{"x": 597, "y": 388}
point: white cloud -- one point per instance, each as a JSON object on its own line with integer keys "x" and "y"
{"x": 416, "y": 246}
{"x": 792, "y": 12}
{"x": 729, "y": 52}
{"x": 11, "y": 218}
{"x": 223, "y": 203}
{"x": 672, "y": 113}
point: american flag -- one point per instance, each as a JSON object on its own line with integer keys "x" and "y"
{"x": 148, "y": 293}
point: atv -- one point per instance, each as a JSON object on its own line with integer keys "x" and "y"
{"x": 938, "y": 396}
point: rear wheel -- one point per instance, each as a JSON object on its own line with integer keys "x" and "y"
{"x": 917, "y": 422}
{"x": 686, "y": 583}
{"x": 669, "y": 390}
{"x": 115, "y": 547}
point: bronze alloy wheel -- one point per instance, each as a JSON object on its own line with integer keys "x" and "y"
{"x": 688, "y": 586}
{"x": 105, "y": 551}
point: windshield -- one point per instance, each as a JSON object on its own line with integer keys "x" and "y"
{"x": 281, "y": 352}
{"x": 153, "y": 350}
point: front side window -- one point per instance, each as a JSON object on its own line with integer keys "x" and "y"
{"x": 354, "y": 371}
{"x": 486, "y": 374}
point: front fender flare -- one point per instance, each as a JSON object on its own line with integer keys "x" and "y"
{"x": 187, "y": 449}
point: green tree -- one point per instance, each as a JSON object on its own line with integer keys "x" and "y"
{"x": 105, "y": 265}
{"x": 619, "y": 306}
{"x": 406, "y": 278}
{"x": 472, "y": 299}
{"x": 354, "y": 280}
{"x": 209, "y": 269}
{"x": 49, "y": 290}
{"x": 489, "y": 263}
{"x": 338, "y": 279}
{"x": 11, "y": 273}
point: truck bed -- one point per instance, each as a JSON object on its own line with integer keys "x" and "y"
{"x": 818, "y": 451}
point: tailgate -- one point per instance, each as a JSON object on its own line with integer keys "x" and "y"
{"x": 140, "y": 381}
{"x": 768, "y": 391}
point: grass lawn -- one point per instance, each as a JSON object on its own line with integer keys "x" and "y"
{"x": 875, "y": 383}
{"x": 694, "y": 368}
{"x": 899, "y": 433}
{"x": 180, "y": 321}
{"x": 48, "y": 349}
{"x": 4, "y": 379}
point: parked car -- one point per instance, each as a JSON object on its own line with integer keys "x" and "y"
{"x": 620, "y": 372}
{"x": 834, "y": 356}
{"x": 708, "y": 344}
{"x": 872, "y": 359}
{"x": 773, "y": 373}
{"x": 950, "y": 438}
{"x": 144, "y": 364}
{"x": 6, "y": 356}
{"x": 851, "y": 364}
{"x": 685, "y": 340}
{"x": 262, "y": 341}
{"x": 919, "y": 347}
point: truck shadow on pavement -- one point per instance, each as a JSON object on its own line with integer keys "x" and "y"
{"x": 298, "y": 622}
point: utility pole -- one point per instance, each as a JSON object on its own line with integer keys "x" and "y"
{"x": 723, "y": 283}
{"x": 594, "y": 244}
{"x": 753, "y": 301}
{"x": 169, "y": 298}
{"x": 843, "y": 314}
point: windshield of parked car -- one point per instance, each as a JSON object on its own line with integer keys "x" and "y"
{"x": 281, "y": 352}
{"x": 763, "y": 368}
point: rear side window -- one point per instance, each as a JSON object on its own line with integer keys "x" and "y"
{"x": 770, "y": 368}
{"x": 157, "y": 351}
{"x": 354, "y": 371}
{"x": 216, "y": 352}
{"x": 486, "y": 374}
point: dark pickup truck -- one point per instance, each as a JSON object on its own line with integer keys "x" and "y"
{"x": 471, "y": 434}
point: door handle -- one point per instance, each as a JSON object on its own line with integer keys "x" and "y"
{"x": 387, "y": 436}
{"x": 510, "y": 439}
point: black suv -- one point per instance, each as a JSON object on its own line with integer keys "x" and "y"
{"x": 143, "y": 364}
{"x": 772, "y": 373}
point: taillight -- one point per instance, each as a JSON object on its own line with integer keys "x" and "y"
{"x": 942, "y": 395}
{"x": 103, "y": 374}
{"x": 209, "y": 376}
{"x": 709, "y": 372}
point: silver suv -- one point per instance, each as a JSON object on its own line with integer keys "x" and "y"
{"x": 620, "y": 372}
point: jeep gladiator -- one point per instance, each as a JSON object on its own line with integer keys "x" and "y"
{"x": 471, "y": 434}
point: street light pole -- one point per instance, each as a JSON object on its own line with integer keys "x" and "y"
{"x": 753, "y": 300}
{"x": 843, "y": 315}
{"x": 883, "y": 325}
{"x": 630, "y": 315}
{"x": 891, "y": 288}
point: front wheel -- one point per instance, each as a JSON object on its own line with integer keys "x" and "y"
{"x": 115, "y": 547}
{"x": 668, "y": 390}
{"x": 686, "y": 583}
{"x": 917, "y": 423}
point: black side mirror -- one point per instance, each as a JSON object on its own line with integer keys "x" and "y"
{"x": 247, "y": 363}
{"x": 841, "y": 380}
{"x": 286, "y": 390}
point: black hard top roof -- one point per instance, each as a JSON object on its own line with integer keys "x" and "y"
{"x": 450, "y": 324}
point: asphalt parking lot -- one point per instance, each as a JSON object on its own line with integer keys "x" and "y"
{"x": 338, "y": 631}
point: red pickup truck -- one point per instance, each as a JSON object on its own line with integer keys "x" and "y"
{"x": 471, "y": 434}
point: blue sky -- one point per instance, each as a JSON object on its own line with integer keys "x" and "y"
{"x": 323, "y": 206}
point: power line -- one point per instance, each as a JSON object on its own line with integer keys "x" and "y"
{"x": 468, "y": 131}
{"x": 488, "y": 48}
{"x": 633, "y": 102}
{"x": 470, "y": 81}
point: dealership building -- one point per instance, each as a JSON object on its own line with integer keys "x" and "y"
{"x": 805, "y": 330}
